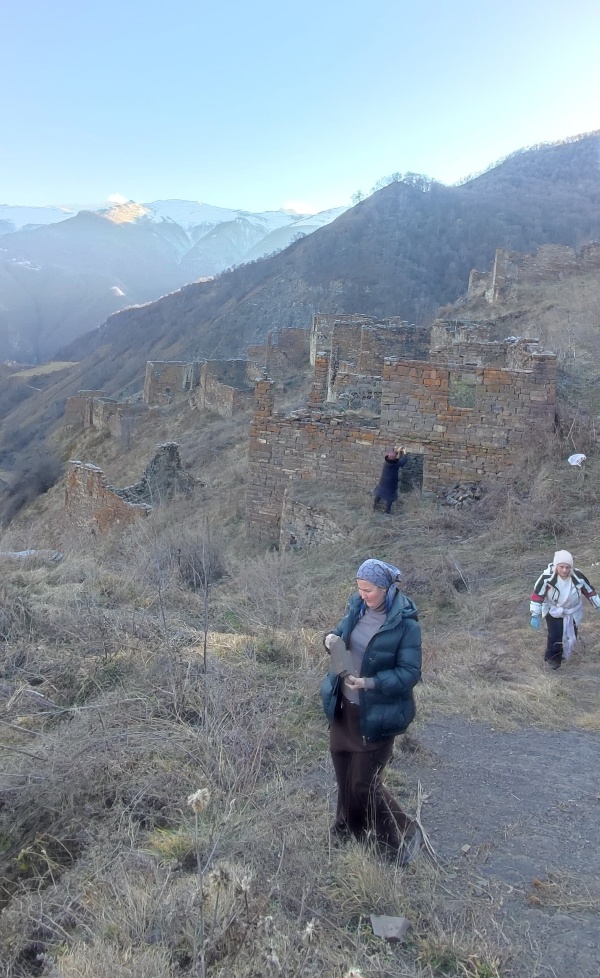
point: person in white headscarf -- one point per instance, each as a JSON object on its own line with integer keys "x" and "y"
{"x": 557, "y": 595}
{"x": 368, "y": 702}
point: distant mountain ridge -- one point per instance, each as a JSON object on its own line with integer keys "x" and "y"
{"x": 63, "y": 273}
{"x": 405, "y": 251}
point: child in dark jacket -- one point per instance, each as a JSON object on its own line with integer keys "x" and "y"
{"x": 371, "y": 705}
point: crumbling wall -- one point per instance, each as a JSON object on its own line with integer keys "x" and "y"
{"x": 165, "y": 378}
{"x": 355, "y": 348}
{"x": 548, "y": 262}
{"x": 314, "y": 446}
{"x": 93, "y": 504}
{"x": 284, "y": 352}
{"x": 79, "y": 409}
{"x": 163, "y": 477}
{"x": 468, "y": 423}
{"x": 304, "y": 523}
{"x": 464, "y": 342}
{"x": 478, "y": 442}
{"x": 225, "y": 400}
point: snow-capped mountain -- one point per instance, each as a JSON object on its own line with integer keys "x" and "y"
{"x": 63, "y": 270}
{"x": 16, "y": 218}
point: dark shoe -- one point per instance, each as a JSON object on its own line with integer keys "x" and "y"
{"x": 339, "y": 832}
{"x": 555, "y": 662}
{"x": 406, "y": 852}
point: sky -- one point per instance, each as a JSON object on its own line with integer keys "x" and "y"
{"x": 267, "y": 104}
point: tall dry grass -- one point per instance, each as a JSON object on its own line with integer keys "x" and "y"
{"x": 152, "y": 687}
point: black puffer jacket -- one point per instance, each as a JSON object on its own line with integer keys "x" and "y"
{"x": 387, "y": 488}
{"x": 393, "y": 659}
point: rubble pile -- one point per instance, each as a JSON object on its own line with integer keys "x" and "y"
{"x": 463, "y": 494}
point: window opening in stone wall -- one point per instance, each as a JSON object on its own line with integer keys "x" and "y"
{"x": 411, "y": 474}
{"x": 462, "y": 390}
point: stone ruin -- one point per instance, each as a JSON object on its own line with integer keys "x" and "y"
{"x": 95, "y": 505}
{"x": 225, "y": 387}
{"x": 347, "y": 354}
{"x": 513, "y": 268}
{"x": 464, "y": 413}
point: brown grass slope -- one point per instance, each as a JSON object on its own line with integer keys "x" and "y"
{"x": 177, "y": 656}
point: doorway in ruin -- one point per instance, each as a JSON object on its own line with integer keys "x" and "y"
{"x": 411, "y": 474}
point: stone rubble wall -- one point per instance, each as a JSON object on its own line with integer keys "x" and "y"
{"x": 79, "y": 409}
{"x": 284, "y": 352}
{"x": 304, "y": 525}
{"x": 94, "y": 505}
{"x": 286, "y": 449}
{"x": 480, "y": 442}
{"x": 513, "y": 268}
{"x": 355, "y": 348}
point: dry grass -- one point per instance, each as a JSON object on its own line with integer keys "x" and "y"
{"x": 106, "y": 870}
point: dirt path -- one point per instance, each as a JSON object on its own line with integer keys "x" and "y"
{"x": 527, "y": 804}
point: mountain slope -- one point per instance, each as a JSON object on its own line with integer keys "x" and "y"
{"x": 65, "y": 274}
{"x": 404, "y": 251}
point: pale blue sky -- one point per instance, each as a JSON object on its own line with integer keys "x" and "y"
{"x": 264, "y": 104}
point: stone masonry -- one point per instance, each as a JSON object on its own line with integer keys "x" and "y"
{"x": 95, "y": 505}
{"x": 467, "y": 420}
{"x": 223, "y": 386}
{"x": 514, "y": 267}
{"x": 347, "y": 354}
{"x": 284, "y": 352}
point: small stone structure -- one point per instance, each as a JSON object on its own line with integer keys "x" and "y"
{"x": 223, "y": 386}
{"x": 92, "y": 409}
{"x": 94, "y": 504}
{"x": 466, "y": 420}
{"x": 348, "y": 352}
{"x": 514, "y": 267}
{"x": 285, "y": 351}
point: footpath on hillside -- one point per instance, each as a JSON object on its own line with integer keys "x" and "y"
{"x": 515, "y": 818}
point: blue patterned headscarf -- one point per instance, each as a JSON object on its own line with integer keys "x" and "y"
{"x": 383, "y": 575}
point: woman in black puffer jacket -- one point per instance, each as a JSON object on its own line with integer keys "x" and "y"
{"x": 387, "y": 487}
{"x": 371, "y": 701}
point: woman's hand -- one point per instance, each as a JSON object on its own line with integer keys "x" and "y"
{"x": 355, "y": 682}
{"x": 329, "y": 639}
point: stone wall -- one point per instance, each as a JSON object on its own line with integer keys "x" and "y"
{"x": 91, "y": 409}
{"x": 284, "y": 352}
{"x": 467, "y": 423}
{"x": 304, "y": 523}
{"x": 93, "y": 504}
{"x": 481, "y": 442}
{"x": 516, "y": 268}
{"x": 283, "y": 450}
{"x": 167, "y": 378}
{"x": 465, "y": 342}
{"x": 224, "y": 399}
{"x": 355, "y": 348}
{"x": 79, "y": 409}
{"x": 223, "y": 386}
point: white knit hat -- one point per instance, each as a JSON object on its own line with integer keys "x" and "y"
{"x": 562, "y": 557}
